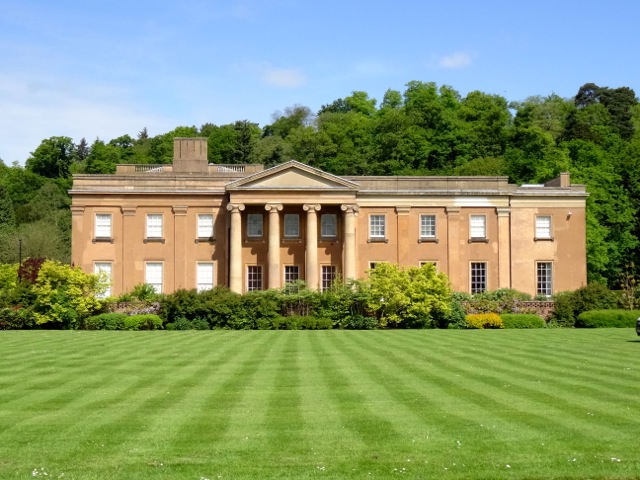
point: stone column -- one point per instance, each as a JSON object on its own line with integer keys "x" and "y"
{"x": 235, "y": 247}
{"x": 131, "y": 271}
{"x": 504, "y": 247}
{"x": 77, "y": 238}
{"x": 350, "y": 212}
{"x": 274, "y": 244}
{"x": 180, "y": 266}
{"x": 456, "y": 271}
{"x": 311, "y": 266}
{"x": 403, "y": 234}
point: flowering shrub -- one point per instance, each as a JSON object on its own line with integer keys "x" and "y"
{"x": 484, "y": 320}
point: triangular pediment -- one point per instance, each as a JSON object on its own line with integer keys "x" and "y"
{"x": 292, "y": 176}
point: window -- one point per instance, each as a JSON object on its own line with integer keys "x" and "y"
{"x": 104, "y": 269}
{"x": 372, "y": 265}
{"x": 328, "y": 276}
{"x": 103, "y": 225}
{"x": 478, "y": 277}
{"x": 254, "y": 225}
{"x": 205, "y": 225}
{"x": 428, "y": 262}
{"x": 543, "y": 227}
{"x": 544, "y": 278}
{"x": 377, "y": 227}
{"x": 154, "y": 225}
{"x": 254, "y": 277}
{"x": 478, "y": 226}
{"x": 329, "y": 225}
{"x": 291, "y": 273}
{"x": 153, "y": 275}
{"x": 204, "y": 276}
{"x": 291, "y": 225}
{"x": 427, "y": 226}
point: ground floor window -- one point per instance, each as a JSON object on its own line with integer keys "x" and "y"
{"x": 544, "y": 278}
{"x": 328, "y": 276}
{"x": 153, "y": 275}
{"x": 204, "y": 276}
{"x": 104, "y": 269}
{"x": 478, "y": 277}
{"x": 291, "y": 273}
{"x": 254, "y": 277}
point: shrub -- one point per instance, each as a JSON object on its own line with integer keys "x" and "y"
{"x": 184, "y": 324}
{"x": 569, "y": 305}
{"x": 484, "y": 320}
{"x": 16, "y": 319}
{"x": 456, "y": 317}
{"x": 143, "y": 322}
{"x": 105, "y": 321}
{"x": 522, "y": 320}
{"x": 608, "y": 319}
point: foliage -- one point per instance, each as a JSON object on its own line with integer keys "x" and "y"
{"x": 608, "y": 319}
{"x": 456, "y": 318}
{"x": 141, "y": 292}
{"x": 16, "y": 318}
{"x": 630, "y": 285}
{"x": 522, "y": 320}
{"x": 184, "y": 324}
{"x": 407, "y": 297}
{"x": 503, "y": 300}
{"x": 64, "y": 295}
{"x": 147, "y": 321}
{"x": 569, "y": 305}
{"x": 104, "y": 321}
{"x": 296, "y": 299}
{"x": 484, "y": 320}
{"x": 301, "y": 322}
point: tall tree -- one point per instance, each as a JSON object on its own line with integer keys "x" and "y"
{"x": 52, "y": 158}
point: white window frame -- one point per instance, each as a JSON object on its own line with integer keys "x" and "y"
{"x": 328, "y": 225}
{"x": 544, "y": 278}
{"x": 205, "y": 225}
{"x": 255, "y": 225}
{"x": 291, "y": 273}
{"x": 377, "y": 226}
{"x": 155, "y": 225}
{"x": 476, "y": 284}
{"x": 103, "y": 225}
{"x": 155, "y": 278}
{"x": 477, "y": 226}
{"x": 328, "y": 275}
{"x": 543, "y": 227}
{"x": 291, "y": 225}
{"x": 205, "y": 275}
{"x": 427, "y": 226}
{"x": 255, "y": 278}
{"x": 105, "y": 269}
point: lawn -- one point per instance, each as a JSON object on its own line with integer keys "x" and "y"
{"x": 512, "y": 404}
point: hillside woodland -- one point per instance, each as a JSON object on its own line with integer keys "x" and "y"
{"x": 425, "y": 130}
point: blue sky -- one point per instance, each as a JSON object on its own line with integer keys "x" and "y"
{"x": 90, "y": 68}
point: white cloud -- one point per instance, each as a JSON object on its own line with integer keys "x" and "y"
{"x": 275, "y": 76}
{"x": 455, "y": 60}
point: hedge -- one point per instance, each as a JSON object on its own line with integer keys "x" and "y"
{"x": 608, "y": 319}
{"x": 522, "y": 320}
{"x": 484, "y": 320}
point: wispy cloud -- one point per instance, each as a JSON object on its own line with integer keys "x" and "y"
{"x": 275, "y": 76}
{"x": 455, "y": 60}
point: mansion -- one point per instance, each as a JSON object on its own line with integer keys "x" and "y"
{"x": 195, "y": 225}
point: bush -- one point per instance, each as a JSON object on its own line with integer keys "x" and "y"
{"x": 184, "y": 324}
{"x": 569, "y": 305}
{"x": 484, "y": 320}
{"x": 16, "y": 319}
{"x": 608, "y": 319}
{"x": 105, "y": 321}
{"x": 147, "y": 321}
{"x": 522, "y": 320}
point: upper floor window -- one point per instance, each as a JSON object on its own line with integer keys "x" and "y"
{"x": 104, "y": 270}
{"x": 291, "y": 225}
{"x": 328, "y": 225}
{"x": 377, "y": 227}
{"x": 154, "y": 225}
{"x": 205, "y": 225}
{"x": 103, "y": 225}
{"x": 427, "y": 226}
{"x": 543, "y": 227}
{"x": 254, "y": 225}
{"x": 477, "y": 227}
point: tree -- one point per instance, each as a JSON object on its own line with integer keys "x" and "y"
{"x": 52, "y": 158}
{"x": 7, "y": 214}
{"x": 82, "y": 150}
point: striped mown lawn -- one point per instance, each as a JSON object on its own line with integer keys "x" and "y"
{"x": 513, "y": 404}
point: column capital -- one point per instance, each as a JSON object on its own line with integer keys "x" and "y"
{"x": 311, "y": 207}
{"x": 503, "y": 211}
{"x": 180, "y": 210}
{"x": 350, "y": 208}
{"x": 128, "y": 211}
{"x": 77, "y": 209}
{"x": 235, "y": 207}
{"x": 403, "y": 210}
{"x": 273, "y": 207}
{"x": 453, "y": 211}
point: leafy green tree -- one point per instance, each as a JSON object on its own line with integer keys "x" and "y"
{"x": 52, "y": 158}
{"x": 7, "y": 213}
{"x": 408, "y": 297}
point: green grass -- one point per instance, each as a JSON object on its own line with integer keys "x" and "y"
{"x": 513, "y": 404}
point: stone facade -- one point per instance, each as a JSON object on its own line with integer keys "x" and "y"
{"x": 195, "y": 225}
